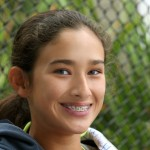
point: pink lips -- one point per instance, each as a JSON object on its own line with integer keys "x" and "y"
{"x": 77, "y": 109}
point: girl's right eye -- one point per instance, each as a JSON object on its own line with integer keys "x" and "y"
{"x": 62, "y": 72}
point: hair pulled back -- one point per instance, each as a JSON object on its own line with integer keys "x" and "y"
{"x": 35, "y": 33}
{"x": 45, "y": 27}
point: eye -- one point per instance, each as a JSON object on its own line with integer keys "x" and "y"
{"x": 62, "y": 72}
{"x": 94, "y": 72}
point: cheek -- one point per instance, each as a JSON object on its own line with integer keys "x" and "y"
{"x": 45, "y": 97}
{"x": 49, "y": 89}
{"x": 100, "y": 97}
{"x": 99, "y": 89}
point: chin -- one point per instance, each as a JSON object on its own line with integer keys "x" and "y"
{"x": 80, "y": 129}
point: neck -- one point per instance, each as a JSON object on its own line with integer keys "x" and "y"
{"x": 55, "y": 141}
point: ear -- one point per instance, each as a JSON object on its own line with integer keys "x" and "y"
{"x": 19, "y": 81}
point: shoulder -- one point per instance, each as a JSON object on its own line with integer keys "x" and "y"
{"x": 13, "y": 137}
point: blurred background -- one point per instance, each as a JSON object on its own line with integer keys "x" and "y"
{"x": 125, "y": 117}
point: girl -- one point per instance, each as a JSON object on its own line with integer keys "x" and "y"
{"x": 58, "y": 73}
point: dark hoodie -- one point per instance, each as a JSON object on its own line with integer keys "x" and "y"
{"x": 14, "y": 138}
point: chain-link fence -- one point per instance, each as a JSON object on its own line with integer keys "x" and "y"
{"x": 125, "y": 118}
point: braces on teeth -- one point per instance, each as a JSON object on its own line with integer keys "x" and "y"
{"x": 78, "y": 108}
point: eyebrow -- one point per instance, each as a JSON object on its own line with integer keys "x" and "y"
{"x": 62, "y": 61}
{"x": 70, "y": 62}
{"x": 95, "y": 62}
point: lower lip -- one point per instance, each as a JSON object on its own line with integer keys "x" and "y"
{"x": 77, "y": 113}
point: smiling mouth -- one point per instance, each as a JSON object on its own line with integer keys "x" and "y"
{"x": 77, "y": 108}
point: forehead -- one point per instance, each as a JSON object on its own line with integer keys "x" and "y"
{"x": 74, "y": 43}
{"x": 83, "y": 31}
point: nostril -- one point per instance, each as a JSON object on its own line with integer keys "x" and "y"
{"x": 80, "y": 87}
{"x": 80, "y": 92}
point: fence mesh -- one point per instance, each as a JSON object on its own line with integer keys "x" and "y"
{"x": 124, "y": 118}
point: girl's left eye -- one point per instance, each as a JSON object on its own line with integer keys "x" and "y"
{"x": 94, "y": 72}
{"x": 62, "y": 72}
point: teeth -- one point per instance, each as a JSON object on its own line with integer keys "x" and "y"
{"x": 78, "y": 108}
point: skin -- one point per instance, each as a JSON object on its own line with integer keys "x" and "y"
{"x": 68, "y": 72}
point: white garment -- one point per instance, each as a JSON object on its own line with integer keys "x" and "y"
{"x": 100, "y": 140}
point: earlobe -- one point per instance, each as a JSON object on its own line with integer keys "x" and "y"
{"x": 19, "y": 81}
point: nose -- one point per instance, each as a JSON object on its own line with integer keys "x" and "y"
{"x": 80, "y": 87}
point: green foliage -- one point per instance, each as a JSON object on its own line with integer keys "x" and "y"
{"x": 133, "y": 79}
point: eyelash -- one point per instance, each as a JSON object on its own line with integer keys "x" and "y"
{"x": 61, "y": 71}
{"x": 91, "y": 72}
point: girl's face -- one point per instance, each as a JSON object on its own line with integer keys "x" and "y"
{"x": 68, "y": 83}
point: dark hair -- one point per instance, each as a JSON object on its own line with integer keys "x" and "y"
{"x": 15, "y": 109}
{"x": 30, "y": 38}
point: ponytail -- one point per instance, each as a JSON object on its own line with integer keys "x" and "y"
{"x": 15, "y": 109}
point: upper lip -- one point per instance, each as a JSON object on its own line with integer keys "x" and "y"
{"x": 76, "y": 104}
